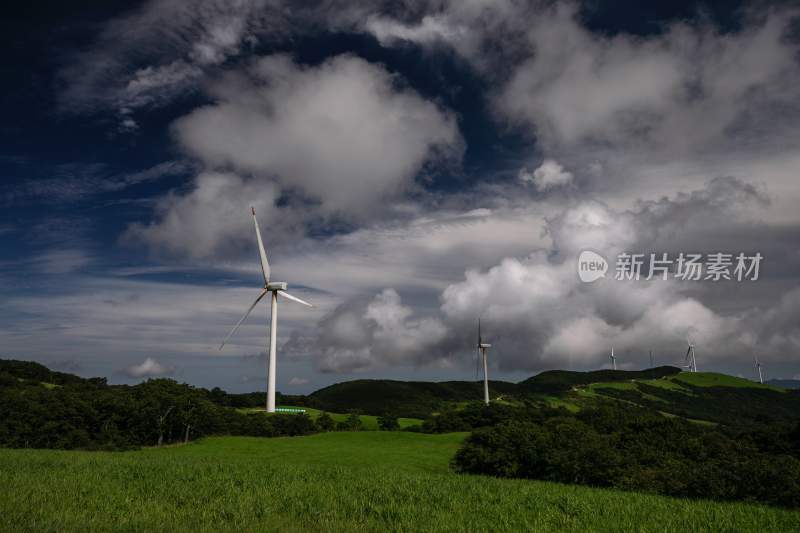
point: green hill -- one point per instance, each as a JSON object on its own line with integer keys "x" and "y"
{"x": 32, "y": 371}
{"x": 555, "y": 381}
{"x": 700, "y": 396}
{"x": 368, "y": 481}
{"x": 413, "y": 399}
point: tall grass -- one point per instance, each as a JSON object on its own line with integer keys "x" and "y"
{"x": 370, "y": 481}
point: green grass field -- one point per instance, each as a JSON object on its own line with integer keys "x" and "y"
{"x": 367, "y": 481}
{"x": 370, "y": 423}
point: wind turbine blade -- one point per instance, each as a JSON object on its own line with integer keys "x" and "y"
{"x": 687, "y": 353}
{"x": 295, "y": 298}
{"x": 262, "y": 252}
{"x": 479, "y": 332}
{"x": 260, "y": 296}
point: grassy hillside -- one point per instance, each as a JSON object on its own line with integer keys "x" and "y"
{"x": 714, "y": 379}
{"x": 701, "y": 396}
{"x": 371, "y": 481}
{"x": 415, "y": 399}
{"x": 555, "y": 381}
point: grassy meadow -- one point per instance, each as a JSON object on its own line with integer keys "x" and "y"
{"x": 361, "y": 481}
{"x": 369, "y": 422}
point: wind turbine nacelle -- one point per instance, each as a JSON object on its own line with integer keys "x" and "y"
{"x": 484, "y": 345}
{"x": 277, "y": 286}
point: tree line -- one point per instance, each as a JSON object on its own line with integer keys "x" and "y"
{"x": 625, "y": 447}
{"x": 40, "y": 408}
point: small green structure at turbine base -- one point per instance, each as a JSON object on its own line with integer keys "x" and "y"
{"x": 289, "y": 410}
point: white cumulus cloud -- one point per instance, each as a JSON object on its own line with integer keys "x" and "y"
{"x": 148, "y": 368}
{"x": 549, "y": 175}
{"x": 344, "y": 133}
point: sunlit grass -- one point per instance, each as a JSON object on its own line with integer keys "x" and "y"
{"x": 712, "y": 379}
{"x": 361, "y": 481}
{"x": 369, "y": 423}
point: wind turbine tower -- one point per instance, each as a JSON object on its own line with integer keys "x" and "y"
{"x": 483, "y": 348}
{"x": 274, "y": 288}
{"x": 690, "y": 358}
{"x": 613, "y": 359}
{"x": 758, "y": 367}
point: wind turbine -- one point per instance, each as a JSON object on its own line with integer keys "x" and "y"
{"x": 652, "y": 361}
{"x": 691, "y": 362}
{"x": 757, "y": 364}
{"x": 274, "y": 288}
{"x": 482, "y": 347}
{"x": 613, "y": 359}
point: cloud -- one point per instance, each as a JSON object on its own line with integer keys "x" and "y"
{"x": 539, "y": 315}
{"x": 73, "y": 182}
{"x": 430, "y": 29}
{"x": 307, "y": 146}
{"x": 344, "y": 133}
{"x": 491, "y": 35}
{"x": 634, "y": 116}
{"x": 549, "y": 175}
{"x": 298, "y": 381}
{"x": 148, "y": 368}
{"x": 64, "y": 261}
{"x": 360, "y": 335}
{"x": 212, "y": 218}
{"x": 161, "y": 51}
{"x": 689, "y": 88}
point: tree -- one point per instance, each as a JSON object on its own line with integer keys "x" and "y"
{"x": 325, "y": 422}
{"x": 161, "y": 419}
{"x": 352, "y": 423}
{"x": 388, "y": 423}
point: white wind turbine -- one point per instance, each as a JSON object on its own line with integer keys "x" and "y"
{"x": 613, "y": 359}
{"x": 689, "y": 360}
{"x": 275, "y": 288}
{"x": 757, "y": 364}
{"x": 482, "y": 348}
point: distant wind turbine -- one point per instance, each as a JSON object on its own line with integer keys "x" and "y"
{"x": 652, "y": 361}
{"x": 690, "y": 360}
{"x": 613, "y": 359}
{"x": 482, "y": 349}
{"x": 757, "y": 364}
{"x": 275, "y": 288}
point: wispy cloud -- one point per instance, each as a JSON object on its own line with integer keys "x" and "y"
{"x": 61, "y": 261}
{"x": 75, "y": 182}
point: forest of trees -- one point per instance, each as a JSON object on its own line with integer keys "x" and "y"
{"x": 630, "y": 448}
{"x": 44, "y": 409}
